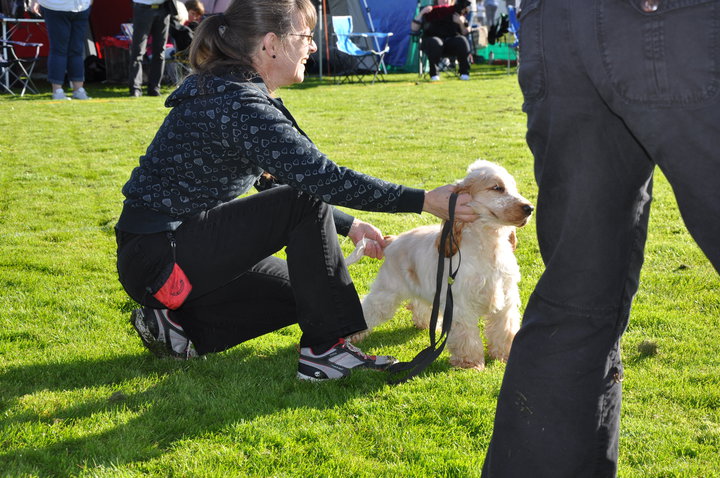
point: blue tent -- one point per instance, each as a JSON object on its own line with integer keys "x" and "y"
{"x": 368, "y": 15}
{"x": 393, "y": 16}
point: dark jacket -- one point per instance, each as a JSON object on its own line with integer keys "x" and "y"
{"x": 219, "y": 137}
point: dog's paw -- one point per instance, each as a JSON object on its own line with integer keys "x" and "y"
{"x": 420, "y": 315}
{"x": 465, "y": 363}
{"x": 500, "y": 354}
{"x": 358, "y": 336}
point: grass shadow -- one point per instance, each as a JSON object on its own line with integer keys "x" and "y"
{"x": 167, "y": 411}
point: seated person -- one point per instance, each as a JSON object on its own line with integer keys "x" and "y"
{"x": 180, "y": 32}
{"x": 444, "y": 34}
{"x": 196, "y": 12}
{"x": 182, "y": 26}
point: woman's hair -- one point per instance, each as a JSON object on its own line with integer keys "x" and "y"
{"x": 227, "y": 41}
{"x": 461, "y": 5}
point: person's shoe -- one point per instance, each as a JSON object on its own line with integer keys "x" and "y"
{"x": 80, "y": 94}
{"x": 153, "y": 93}
{"x": 135, "y": 93}
{"x": 59, "y": 94}
{"x": 338, "y": 362}
{"x": 464, "y": 77}
{"x": 160, "y": 335}
{"x": 435, "y": 78}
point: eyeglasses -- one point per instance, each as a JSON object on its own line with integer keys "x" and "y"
{"x": 307, "y": 36}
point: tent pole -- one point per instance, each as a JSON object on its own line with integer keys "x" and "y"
{"x": 369, "y": 19}
{"x": 327, "y": 43}
{"x": 320, "y": 39}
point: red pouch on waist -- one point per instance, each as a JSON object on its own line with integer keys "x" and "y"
{"x": 175, "y": 290}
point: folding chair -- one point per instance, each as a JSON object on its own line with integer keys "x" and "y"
{"x": 357, "y": 67}
{"x": 17, "y": 71}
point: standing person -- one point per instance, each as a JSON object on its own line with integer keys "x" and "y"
{"x": 67, "y": 26}
{"x": 445, "y": 32}
{"x": 598, "y": 124}
{"x": 150, "y": 18}
{"x": 198, "y": 258}
{"x": 491, "y": 7}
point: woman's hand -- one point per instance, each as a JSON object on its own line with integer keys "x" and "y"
{"x": 375, "y": 244}
{"x": 34, "y": 7}
{"x": 437, "y": 203}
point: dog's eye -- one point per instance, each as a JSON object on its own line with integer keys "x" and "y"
{"x": 498, "y": 188}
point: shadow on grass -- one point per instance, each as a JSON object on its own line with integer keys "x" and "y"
{"x": 184, "y": 400}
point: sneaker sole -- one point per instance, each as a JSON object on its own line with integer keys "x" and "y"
{"x": 158, "y": 349}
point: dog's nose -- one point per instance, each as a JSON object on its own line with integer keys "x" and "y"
{"x": 528, "y": 209}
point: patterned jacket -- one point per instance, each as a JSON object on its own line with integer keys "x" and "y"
{"x": 219, "y": 137}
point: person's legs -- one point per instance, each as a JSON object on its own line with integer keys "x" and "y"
{"x": 258, "y": 302}
{"x": 669, "y": 100}
{"x": 433, "y": 48}
{"x": 458, "y": 47}
{"x": 58, "y": 26}
{"x": 159, "y": 31}
{"x": 143, "y": 17}
{"x": 76, "y": 48}
{"x": 601, "y": 111}
{"x": 218, "y": 248}
{"x": 558, "y": 408}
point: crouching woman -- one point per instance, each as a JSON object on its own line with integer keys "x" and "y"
{"x": 198, "y": 257}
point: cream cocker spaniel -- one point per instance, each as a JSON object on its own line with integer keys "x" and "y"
{"x": 486, "y": 284}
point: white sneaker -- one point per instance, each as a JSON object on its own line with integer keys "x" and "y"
{"x": 80, "y": 94}
{"x": 59, "y": 94}
{"x": 338, "y": 362}
{"x": 435, "y": 78}
{"x": 464, "y": 77}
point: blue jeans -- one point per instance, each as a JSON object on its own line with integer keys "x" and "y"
{"x": 67, "y": 32}
{"x": 611, "y": 92}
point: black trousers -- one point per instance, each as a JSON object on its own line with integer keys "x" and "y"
{"x": 611, "y": 92}
{"x": 436, "y": 48}
{"x": 154, "y": 22}
{"x": 240, "y": 291}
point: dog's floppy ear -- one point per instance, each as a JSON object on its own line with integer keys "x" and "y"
{"x": 513, "y": 239}
{"x": 453, "y": 243}
{"x": 452, "y": 246}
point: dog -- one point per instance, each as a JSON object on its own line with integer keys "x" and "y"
{"x": 486, "y": 283}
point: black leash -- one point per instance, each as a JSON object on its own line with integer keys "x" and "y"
{"x": 433, "y": 351}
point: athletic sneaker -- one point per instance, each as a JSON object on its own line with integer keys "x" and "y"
{"x": 338, "y": 362}
{"x": 59, "y": 94}
{"x": 464, "y": 77}
{"x": 80, "y": 94}
{"x": 162, "y": 336}
{"x": 435, "y": 78}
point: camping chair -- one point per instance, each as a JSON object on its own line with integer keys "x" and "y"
{"x": 360, "y": 61}
{"x": 15, "y": 70}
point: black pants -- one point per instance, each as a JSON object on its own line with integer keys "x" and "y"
{"x": 154, "y": 22}
{"x": 240, "y": 291}
{"x": 610, "y": 93}
{"x": 436, "y": 49}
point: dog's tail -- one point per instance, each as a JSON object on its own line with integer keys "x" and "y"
{"x": 389, "y": 239}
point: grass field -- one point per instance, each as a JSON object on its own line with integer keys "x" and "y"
{"x": 80, "y": 396}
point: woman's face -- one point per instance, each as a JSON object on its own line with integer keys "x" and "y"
{"x": 291, "y": 59}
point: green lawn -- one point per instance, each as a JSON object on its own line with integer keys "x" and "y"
{"x": 80, "y": 396}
